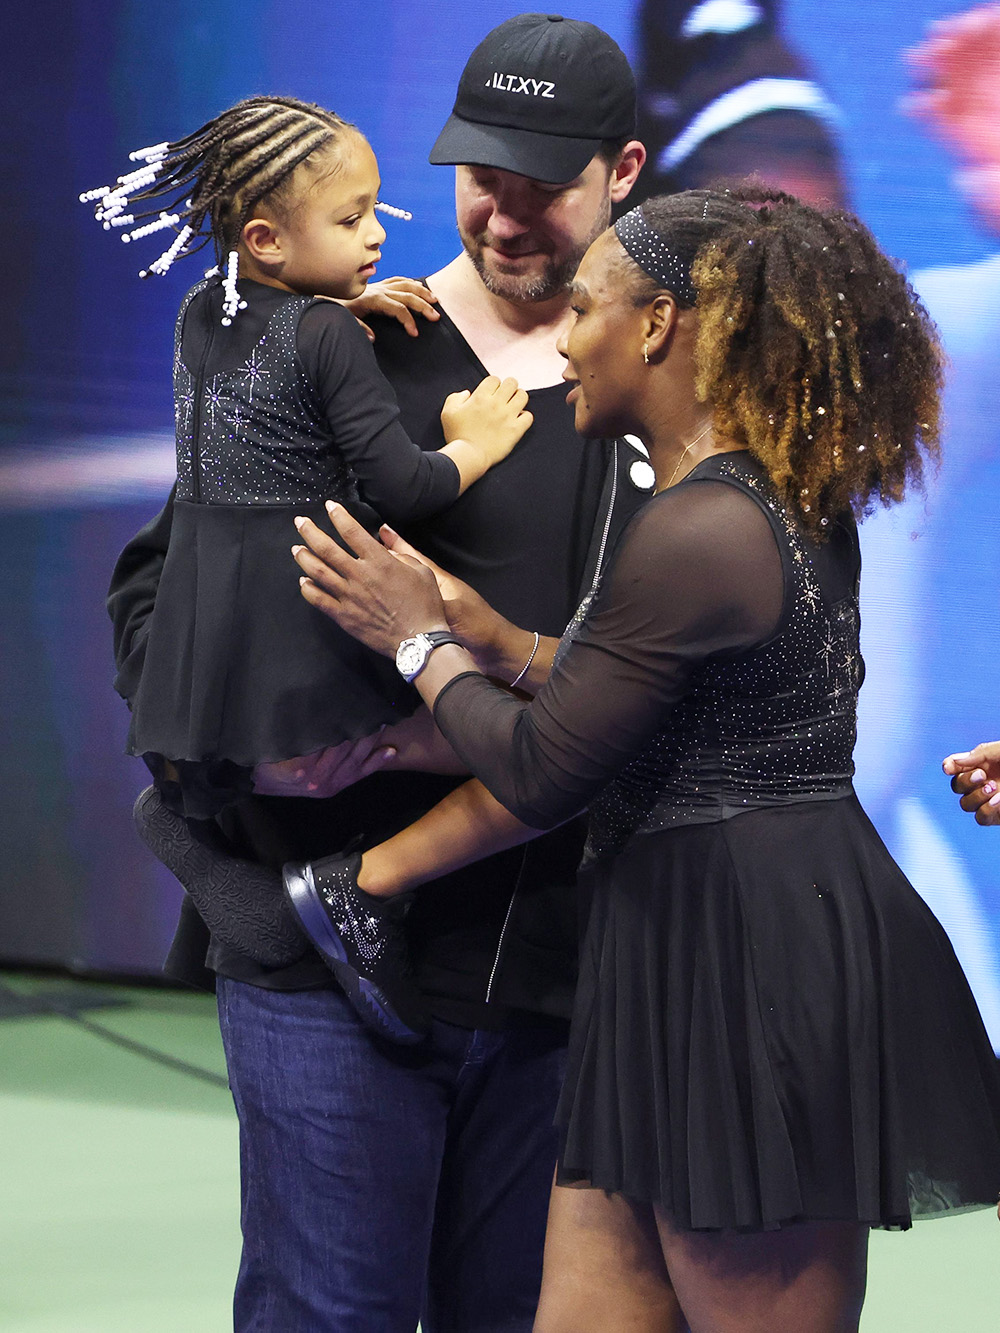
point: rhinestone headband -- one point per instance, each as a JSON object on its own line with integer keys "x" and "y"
{"x": 654, "y": 256}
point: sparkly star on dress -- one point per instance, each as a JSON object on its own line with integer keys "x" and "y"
{"x": 276, "y": 414}
{"x": 770, "y": 1024}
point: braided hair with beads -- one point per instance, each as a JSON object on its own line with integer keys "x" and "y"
{"x": 812, "y": 347}
{"x": 207, "y": 184}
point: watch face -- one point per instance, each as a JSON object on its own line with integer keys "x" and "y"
{"x": 410, "y": 657}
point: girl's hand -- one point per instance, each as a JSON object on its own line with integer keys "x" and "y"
{"x": 378, "y": 598}
{"x": 492, "y": 418}
{"x": 398, "y": 298}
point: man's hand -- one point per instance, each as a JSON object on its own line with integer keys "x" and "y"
{"x": 975, "y": 776}
{"x": 398, "y": 298}
{"x": 326, "y": 772}
{"x": 379, "y": 598}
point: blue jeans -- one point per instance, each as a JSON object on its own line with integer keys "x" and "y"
{"x": 385, "y": 1184}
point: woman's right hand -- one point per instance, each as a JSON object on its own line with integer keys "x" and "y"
{"x": 492, "y": 417}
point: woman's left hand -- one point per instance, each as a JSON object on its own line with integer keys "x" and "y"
{"x": 377, "y": 597}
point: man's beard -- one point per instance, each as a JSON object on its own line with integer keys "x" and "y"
{"x": 554, "y": 278}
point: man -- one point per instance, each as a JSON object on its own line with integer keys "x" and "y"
{"x": 383, "y": 1184}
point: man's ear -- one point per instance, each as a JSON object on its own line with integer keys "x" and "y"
{"x": 626, "y": 170}
{"x": 263, "y": 242}
{"x": 661, "y": 323}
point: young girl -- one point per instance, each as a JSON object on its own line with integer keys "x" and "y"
{"x": 279, "y": 406}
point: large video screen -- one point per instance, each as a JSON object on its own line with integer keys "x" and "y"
{"x": 823, "y": 98}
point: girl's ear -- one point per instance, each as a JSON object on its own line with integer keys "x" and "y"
{"x": 263, "y": 241}
{"x": 661, "y": 321}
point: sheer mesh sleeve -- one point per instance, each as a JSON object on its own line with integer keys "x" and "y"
{"x": 697, "y": 573}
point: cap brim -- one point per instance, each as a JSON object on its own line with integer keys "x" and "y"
{"x": 544, "y": 157}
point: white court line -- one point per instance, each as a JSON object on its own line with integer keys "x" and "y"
{"x": 69, "y": 473}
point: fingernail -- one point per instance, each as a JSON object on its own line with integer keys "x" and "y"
{"x": 331, "y": 505}
{"x": 977, "y": 776}
{"x": 297, "y": 549}
{"x": 994, "y": 800}
{"x": 989, "y": 788}
{"x": 299, "y": 521}
{"x": 302, "y": 579}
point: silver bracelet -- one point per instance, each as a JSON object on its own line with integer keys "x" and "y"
{"x": 531, "y": 657}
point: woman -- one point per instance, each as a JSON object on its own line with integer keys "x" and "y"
{"x": 773, "y": 1046}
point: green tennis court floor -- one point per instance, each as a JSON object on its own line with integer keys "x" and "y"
{"x": 119, "y": 1193}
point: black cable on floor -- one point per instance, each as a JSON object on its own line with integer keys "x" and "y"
{"x": 116, "y": 1039}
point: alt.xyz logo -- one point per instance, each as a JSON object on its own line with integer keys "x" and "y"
{"x": 514, "y": 83}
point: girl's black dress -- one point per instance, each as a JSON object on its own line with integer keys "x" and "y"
{"x": 770, "y": 1025}
{"x": 275, "y": 414}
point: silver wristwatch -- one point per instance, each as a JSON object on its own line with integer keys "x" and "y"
{"x": 412, "y": 654}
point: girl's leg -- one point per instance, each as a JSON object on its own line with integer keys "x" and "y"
{"x": 805, "y": 1278}
{"x": 604, "y": 1270}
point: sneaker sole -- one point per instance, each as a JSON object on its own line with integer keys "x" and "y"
{"x": 366, "y": 998}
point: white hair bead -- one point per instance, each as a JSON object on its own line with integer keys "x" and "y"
{"x": 393, "y": 212}
{"x": 231, "y": 304}
{"x": 155, "y": 151}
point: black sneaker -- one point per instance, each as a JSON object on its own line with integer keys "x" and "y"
{"x": 240, "y": 902}
{"x": 360, "y": 938}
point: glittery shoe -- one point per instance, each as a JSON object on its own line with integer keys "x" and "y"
{"x": 360, "y": 938}
{"x": 240, "y": 902}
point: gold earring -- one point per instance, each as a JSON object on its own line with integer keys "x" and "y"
{"x": 645, "y": 354}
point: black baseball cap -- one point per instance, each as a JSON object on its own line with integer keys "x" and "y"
{"x": 538, "y": 96}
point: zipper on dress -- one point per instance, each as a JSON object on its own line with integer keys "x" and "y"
{"x": 199, "y": 385}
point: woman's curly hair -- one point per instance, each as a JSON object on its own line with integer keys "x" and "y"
{"x": 812, "y": 347}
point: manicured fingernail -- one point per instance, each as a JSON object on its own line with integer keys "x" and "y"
{"x": 989, "y": 788}
{"x": 297, "y": 549}
{"x": 331, "y": 505}
{"x": 977, "y": 776}
{"x": 299, "y": 521}
{"x": 302, "y": 579}
{"x": 994, "y": 800}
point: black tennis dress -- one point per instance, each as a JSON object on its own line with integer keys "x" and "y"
{"x": 275, "y": 414}
{"x": 770, "y": 1024}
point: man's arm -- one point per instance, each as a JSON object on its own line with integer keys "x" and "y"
{"x": 132, "y": 595}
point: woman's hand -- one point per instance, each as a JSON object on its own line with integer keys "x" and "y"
{"x": 975, "y": 776}
{"x": 377, "y": 597}
{"x": 325, "y": 772}
{"x": 397, "y": 298}
{"x": 470, "y": 617}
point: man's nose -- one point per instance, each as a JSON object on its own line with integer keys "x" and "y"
{"x": 512, "y": 214}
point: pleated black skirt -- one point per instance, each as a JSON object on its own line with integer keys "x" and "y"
{"x": 771, "y": 1026}
{"x": 237, "y": 667}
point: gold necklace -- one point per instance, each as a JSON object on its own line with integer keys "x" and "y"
{"x": 686, "y": 451}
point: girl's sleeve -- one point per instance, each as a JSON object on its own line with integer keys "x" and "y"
{"x": 697, "y": 573}
{"x": 398, "y": 478}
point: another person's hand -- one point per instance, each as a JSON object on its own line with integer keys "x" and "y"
{"x": 398, "y": 298}
{"x": 326, "y": 772}
{"x": 975, "y": 776}
{"x": 377, "y": 597}
{"x": 959, "y": 67}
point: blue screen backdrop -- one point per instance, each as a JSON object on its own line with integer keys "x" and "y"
{"x": 85, "y": 416}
